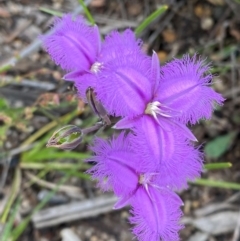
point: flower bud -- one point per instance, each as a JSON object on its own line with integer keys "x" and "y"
{"x": 66, "y": 138}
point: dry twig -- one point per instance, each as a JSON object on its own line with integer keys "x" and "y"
{"x": 73, "y": 211}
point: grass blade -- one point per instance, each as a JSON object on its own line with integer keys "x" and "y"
{"x": 47, "y": 154}
{"x": 9, "y": 225}
{"x": 219, "y": 184}
{"x": 220, "y": 165}
{"x": 51, "y": 12}
{"x": 87, "y": 12}
{"x": 54, "y": 166}
{"x": 22, "y": 226}
{"x": 150, "y": 18}
{"x": 14, "y": 192}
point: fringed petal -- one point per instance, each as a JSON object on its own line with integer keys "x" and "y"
{"x": 123, "y": 201}
{"x": 73, "y": 44}
{"x": 124, "y": 87}
{"x": 156, "y": 214}
{"x": 82, "y": 82}
{"x": 115, "y": 165}
{"x": 118, "y": 44}
{"x": 125, "y": 123}
{"x": 185, "y": 86}
{"x": 155, "y": 71}
{"x": 165, "y": 151}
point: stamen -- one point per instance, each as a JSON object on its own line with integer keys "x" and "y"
{"x": 96, "y": 67}
{"x": 145, "y": 179}
{"x": 156, "y": 108}
{"x": 141, "y": 179}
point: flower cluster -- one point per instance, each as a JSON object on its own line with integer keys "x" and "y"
{"x": 153, "y": 156}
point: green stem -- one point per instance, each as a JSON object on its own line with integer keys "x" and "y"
{"x": 87, "y": 12}
{"x": 150, "y": 19}
{"x": 215, "y": 183}
{"x": 219, "y": 165}
{"x": 14, "y": 193}
{"x": 21, "y": 227}
{"x": 53, "y": 166}
{"x": 52, "y": 12}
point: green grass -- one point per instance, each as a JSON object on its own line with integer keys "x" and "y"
{"x": 147, "y": 21}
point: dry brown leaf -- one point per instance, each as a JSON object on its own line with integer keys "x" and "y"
{"x": 162, "y": 55}
{"x": 202, "y": 11}
{"x": 169, "y": 35}
{"x": 98, "y": 3}
{"x": 4, "y": 13}
{"x": 235, "y": 30}
{"x": 134, "y": 9}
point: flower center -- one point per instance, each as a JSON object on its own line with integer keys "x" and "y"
{"x": 156, "y": 108}
{"x": 96, "y": 67}
{"x": 145, "y": 179}
{"x": 141, "y": 179}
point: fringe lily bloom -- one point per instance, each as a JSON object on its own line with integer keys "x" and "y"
{"x": 155, "y": 208}
{"x": 180, "y": 93}
{"x": 73, "y": 45}
{"x": 77, "y": 47}
{"x": 156, "y": 214}
{"x": 168, "y": 152}
{"x": 115, "y": 77}
{"x": 185, "y": 87}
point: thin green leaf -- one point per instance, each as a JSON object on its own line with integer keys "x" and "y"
{"x": 219, "y": 165}
{"x": 52, "y": 12}
{"x": 22, "y": 226}
{"x": 14, "y": 192}
{"x": 9, "y": 225}
{"x": 40, "y": 175}
{"x": 150, "y": 19}
{"x": 3, "y": 104}
{"x": 80, "y": 175}
{"x": 5, "y": 68}
{"x": 48, "y": 154}
{"x": 217, "y": 147}
{"x": 54, "y": 166}
{"x": 219, "y": 184}
{"x": 38, "y": 148}
{"x": 236, "y": 118}
{"x": 87, "y": 12}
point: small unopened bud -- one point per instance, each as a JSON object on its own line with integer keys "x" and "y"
{"x": 66, "y": 138}
{"x": 97, "y": 106}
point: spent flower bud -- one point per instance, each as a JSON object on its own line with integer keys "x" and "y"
{"x": 66, "y": 138}
{"x": 97, "y": 107}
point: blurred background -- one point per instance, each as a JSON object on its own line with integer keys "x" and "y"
{"x": 44, "y": 193}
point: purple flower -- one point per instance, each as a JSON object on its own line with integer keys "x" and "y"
{"x": 167, "y": 152}
{"x": 155, "y": 208}
{"x": 73, "y": 44}
{"x": 77, "y": 48}
{"x": 118, "y": 51}
{"x": 115, "y": 165}
{"x": 124, "y": 87}
{"x": 156, "y": 214}
{"x": 179, "y": 94}
{"x": 126, "y": 81}
{"x": 185, "y": 86}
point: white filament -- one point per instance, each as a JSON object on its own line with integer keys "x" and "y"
{"x": 96, "y": 67}
{"x": 154, "y": 109}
